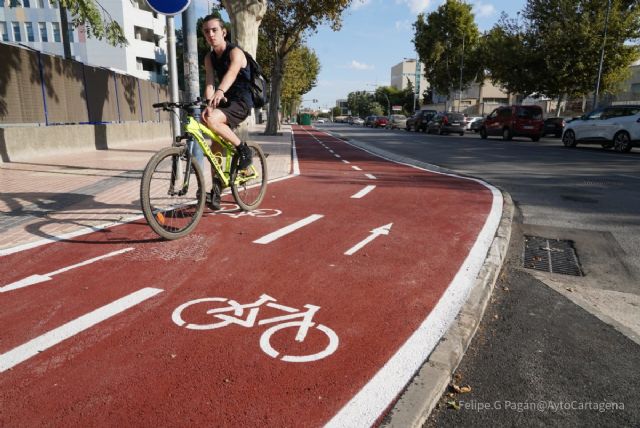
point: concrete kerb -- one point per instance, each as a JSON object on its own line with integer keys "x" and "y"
{"x": 415, "y": 403}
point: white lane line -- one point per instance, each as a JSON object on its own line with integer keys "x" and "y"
{"x": 337, "y": 155}
{"x": 357, "y": 168}
{"x": 382, "y": 230}
{"x": 345, "y": 161}
{"x": 55, "y": 336}
{"x": 330, "y": 151}
{"x": 370, "y": 176}
{"x": 35, "y": 279}
{"x": 363, "y": 192}
{"x": 288, "y": 229}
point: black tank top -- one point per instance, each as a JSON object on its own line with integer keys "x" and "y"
{"x": 240, "y": 89}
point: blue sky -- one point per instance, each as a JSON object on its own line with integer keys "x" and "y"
{"x": 376, "y": 35}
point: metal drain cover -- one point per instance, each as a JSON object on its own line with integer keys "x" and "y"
{"x": 551, "y": 255}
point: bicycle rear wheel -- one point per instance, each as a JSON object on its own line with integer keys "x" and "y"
{"x": 248, "y": 186}
{"x": 172, "y": 208}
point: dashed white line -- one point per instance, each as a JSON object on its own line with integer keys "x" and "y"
{"x": 337, "y": 155}
{"x": 363, "y": 192}
{"x": 288, "y": 229}
{"x": 345, "y": 161}
{"x": 357, "y": 168}
{"x": 33, "y": 347}
{"x": 370, "y": 176}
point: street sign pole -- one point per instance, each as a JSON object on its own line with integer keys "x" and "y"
{"x": 171, "y": 8}
{"x": 173, "y": 75}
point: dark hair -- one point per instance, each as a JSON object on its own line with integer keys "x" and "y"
{"x": 223, "y": 25}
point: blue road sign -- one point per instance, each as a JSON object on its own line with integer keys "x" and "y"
{"x": 168, "y": 7}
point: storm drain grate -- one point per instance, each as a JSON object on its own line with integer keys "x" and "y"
{"x": 551, "y": 255}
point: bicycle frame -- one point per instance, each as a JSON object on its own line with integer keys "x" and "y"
{"x": 220, "y": 163}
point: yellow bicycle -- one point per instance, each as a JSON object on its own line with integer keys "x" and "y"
{"x": 173, "y": 188}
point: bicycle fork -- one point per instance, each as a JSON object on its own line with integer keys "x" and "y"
{"x": 176, "y": 171}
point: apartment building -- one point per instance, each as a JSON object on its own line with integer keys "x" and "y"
{"x": 409, "y": 70}
{"x": 36, "y": 24}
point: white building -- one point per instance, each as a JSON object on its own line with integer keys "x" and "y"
{"x": 36, "y": 23}
{"x": 409, "y": 70}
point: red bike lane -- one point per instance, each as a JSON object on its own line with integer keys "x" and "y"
{"x": 383, "y": 253}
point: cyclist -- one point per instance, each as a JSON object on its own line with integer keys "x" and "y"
{"x": 230, "y": 103}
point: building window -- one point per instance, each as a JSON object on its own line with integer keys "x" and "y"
{"x": 16, "y": 32}
{"x": 3, "y": 31}
{"x": 70, "y": 34}
{"x": 42, "y": 26}
{"x": 26, "y": 3}
{"x": 56, "y": 32}
{"x": 41, "y": 4}
{"x": 30, "y": 36}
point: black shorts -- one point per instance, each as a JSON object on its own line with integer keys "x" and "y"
{"x": 235, "y": 111}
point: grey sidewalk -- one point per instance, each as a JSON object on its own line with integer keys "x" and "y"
{"x": 46, "y": 197}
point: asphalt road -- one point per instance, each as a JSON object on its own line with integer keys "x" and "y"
{"x": 571, "y": 343}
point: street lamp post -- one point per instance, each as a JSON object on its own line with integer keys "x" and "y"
{"x": 604, "y": 42}
{"x": 461, "y": 66}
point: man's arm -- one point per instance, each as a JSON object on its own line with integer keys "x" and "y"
{"x": 209, "y": 82}
{"x": 238, "y": 61}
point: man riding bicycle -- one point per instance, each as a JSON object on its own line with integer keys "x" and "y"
{"x": 230, "y": 103}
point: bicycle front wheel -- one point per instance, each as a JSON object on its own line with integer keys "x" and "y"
{"x": 248, "y": 186}
{"x": 171, "y": 204}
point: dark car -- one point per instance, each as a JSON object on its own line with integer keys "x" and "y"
{"x": 368, "y": 121}
{"x": 418, "y": 122}
{"x": 514, "y": 121}
{"x": 553, "y": 125}
{"x": 447, "y": 123}
{"x": 476, "y": 124}
{"x": 380, "y": 122}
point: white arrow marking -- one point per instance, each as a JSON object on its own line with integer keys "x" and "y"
{"x": 363, "y": 192}
{"x": 382, "y": 230}
{"x": 36, "y": 279}
{"x": 57, "y": 335}
{"x": 288, "y": 229}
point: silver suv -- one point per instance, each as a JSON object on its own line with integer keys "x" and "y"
{"x": 613, "y": 126}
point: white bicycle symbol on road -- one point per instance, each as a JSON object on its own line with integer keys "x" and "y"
{"x": 303, "y": 322}
{"x": 234, "y": 211}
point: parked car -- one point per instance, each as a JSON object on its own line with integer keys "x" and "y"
{"x": 614, "y": 126}
{"x": 476, "y": 125}
{"x": 446, "y": 123}
{"x": 470, "y": 121}
{"x": 553, "y": 125}
{"x": 368, "y": 121}
{"x": 380, "y": 122}
{"x": 357, "y": 121}
{"x": 321, "y": 120}
{"x": 397, "y": 121}
{"x": 514, "y": 121}
{"x": 418, "y": 122}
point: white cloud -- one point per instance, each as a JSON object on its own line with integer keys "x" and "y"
{"x": 357, "y": 4}
{"x": 404, "y": 25}
{"x": 416, "y": 6}
{"x": 359, "y": 65}
{"x": 483, "y": 10}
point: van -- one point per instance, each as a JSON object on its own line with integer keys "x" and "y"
{"x": 514, "y": 121}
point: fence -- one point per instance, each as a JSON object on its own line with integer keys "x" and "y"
{"x": 37, "y": 88}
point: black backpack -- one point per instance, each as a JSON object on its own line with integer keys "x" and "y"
{"x": 257, "y": 82}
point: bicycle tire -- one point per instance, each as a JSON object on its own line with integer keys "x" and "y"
{"x": 249, "y": 186}
{"x": 168, "y": 213}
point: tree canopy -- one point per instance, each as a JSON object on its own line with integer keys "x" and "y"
{"x": 96, "y": 20}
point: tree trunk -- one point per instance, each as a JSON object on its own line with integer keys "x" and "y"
{"x": 245, "y": 16}
{"x": 274, "y": 101}
{"x": 558, "y": 106}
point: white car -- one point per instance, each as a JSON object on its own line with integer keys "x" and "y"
{"x": 613, "y": 126}
{"x": 321, "y": 120}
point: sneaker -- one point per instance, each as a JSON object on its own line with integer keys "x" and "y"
{"x": 244, "y": 156}
{"x": 213, "y": 197}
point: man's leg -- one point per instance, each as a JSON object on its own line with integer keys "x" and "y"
{"x": 217, "y": 122}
